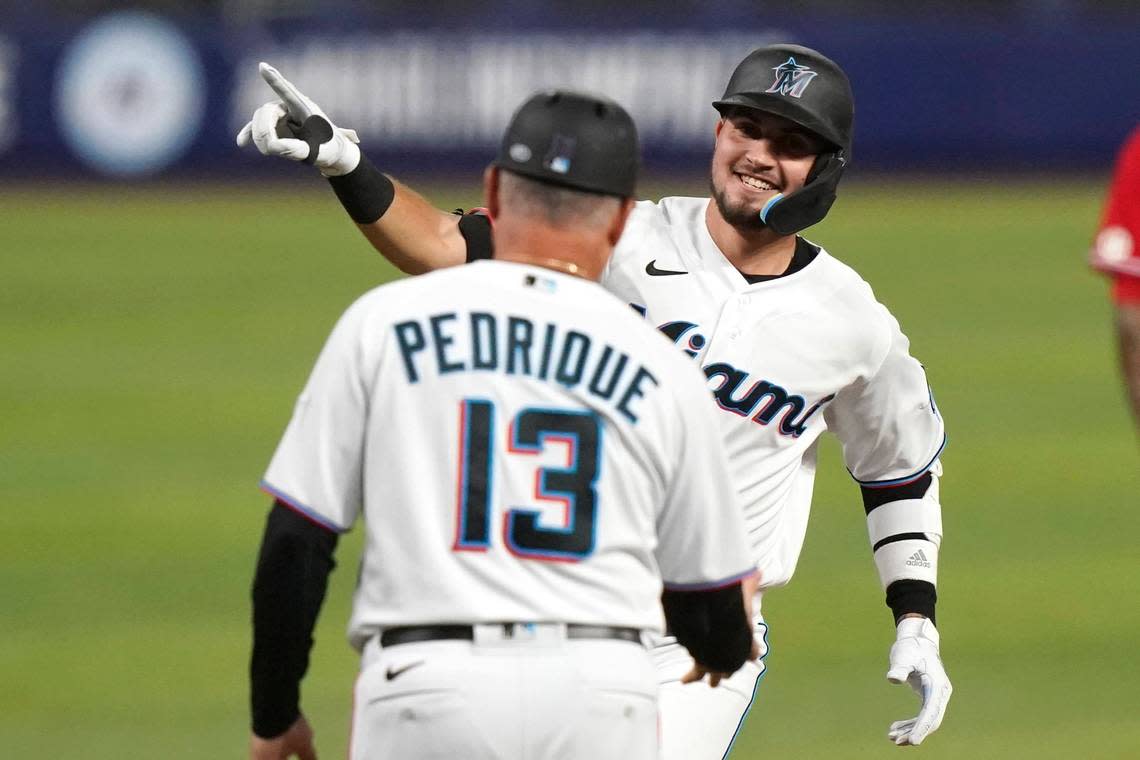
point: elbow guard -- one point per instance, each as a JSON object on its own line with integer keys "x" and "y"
{"x": 904, "y": 525}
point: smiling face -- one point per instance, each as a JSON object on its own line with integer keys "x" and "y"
{"x": 757, "y": 155}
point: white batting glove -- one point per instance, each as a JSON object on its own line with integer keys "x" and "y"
{"x": 914, "y": 659}
{"x": 295, "y": 127}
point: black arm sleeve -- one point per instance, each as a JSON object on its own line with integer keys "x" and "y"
{"x": 288, "y": 588}
{"x": 711, "y": 625}
{"x": 476, "y": 230}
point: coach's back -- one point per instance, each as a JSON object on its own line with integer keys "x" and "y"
{"x": 533, "y": 450}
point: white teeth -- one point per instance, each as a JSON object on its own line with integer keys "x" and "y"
{"x": 759, "y": 184}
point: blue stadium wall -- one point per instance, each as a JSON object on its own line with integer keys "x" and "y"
{"x": 133, "y": 94}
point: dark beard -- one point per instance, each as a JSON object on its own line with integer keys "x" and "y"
{"x": 740, "y": 217}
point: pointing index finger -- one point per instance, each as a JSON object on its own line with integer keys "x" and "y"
{"x": 296, "y": 104}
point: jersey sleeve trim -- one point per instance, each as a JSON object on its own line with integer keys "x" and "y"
{"x": 711, "y": 585}
{"x": 308, "y": 513}
{"x": 906, "y": 479}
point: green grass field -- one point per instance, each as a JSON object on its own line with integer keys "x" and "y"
{"x": 155, "y": 339}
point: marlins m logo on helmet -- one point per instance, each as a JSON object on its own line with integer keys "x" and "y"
{"x": 791, "y": 78}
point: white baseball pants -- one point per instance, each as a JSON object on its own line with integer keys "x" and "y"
{"x": 699, "y": 722}
{"x": 539, "y": 697}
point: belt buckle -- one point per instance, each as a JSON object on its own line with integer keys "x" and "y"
{"x": 520, "y": 631}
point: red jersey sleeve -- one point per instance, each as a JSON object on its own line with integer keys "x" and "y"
{"x": 1116, "y": 249}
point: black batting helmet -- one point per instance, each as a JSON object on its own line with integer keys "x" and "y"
{"x": 576, "y": 140}
{"x": 809, "y": 89}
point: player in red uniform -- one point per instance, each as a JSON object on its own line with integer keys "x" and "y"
{"x": 1116, "y": 251}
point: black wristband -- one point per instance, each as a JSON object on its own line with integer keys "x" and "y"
{"x": 364, "y": 192}
{"x": 908, "y": 595}
{"x": 476, "y": 232}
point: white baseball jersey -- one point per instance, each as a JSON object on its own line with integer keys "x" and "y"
{"x": 521, "y": 445}
{"x": 786, "y": 359}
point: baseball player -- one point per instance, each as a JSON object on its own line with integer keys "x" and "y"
{"x": 1116, "y": 252}
{"x": 530, "y": 459}
{"x": 791, "y": 340}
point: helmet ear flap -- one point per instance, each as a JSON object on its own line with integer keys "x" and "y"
{"x": 788, "y": 214}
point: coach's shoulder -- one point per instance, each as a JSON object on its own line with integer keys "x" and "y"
{"x": 390, "y": 298}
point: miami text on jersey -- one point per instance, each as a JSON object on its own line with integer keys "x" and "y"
{"x": 516, "y": 346}
{"x": 763, "y": 401}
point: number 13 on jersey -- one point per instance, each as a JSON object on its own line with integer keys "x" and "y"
{"x": 573, "y": 486}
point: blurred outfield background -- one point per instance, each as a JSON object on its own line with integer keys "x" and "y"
{"x": 159, "y": 319}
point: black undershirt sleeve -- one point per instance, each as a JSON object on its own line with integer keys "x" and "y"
{"x": 289, "y": 586}
{"x": 712, "y": 625}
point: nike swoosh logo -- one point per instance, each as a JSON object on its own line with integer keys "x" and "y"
{"x": 653, "y": 271}
{"x": 394, "y": 673}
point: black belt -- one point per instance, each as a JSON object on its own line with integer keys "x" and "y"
{"x": 415, "y": 633}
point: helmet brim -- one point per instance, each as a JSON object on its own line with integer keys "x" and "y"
{"x": 785, "y": 107}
